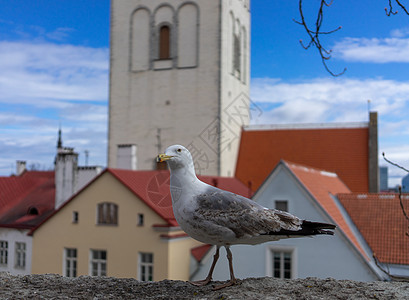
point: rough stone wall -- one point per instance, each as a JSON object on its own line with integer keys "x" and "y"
{"x": 86, "y": 287}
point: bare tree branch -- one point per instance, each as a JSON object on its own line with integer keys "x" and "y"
{"x": 314, "y": 34}
{"x": 394, "y": 164}
{"x": 390, "y": 11}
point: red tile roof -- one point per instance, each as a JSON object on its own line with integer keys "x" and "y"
{"x": 33, "y": 190}
{"x": 380, "y": 220}
{"x": 340, "y": 150}
{"x": 322, "y": 185}
{"x": 152, "y": 187}
{"x": 200, "y": 251}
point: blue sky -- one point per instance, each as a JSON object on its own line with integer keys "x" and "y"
{"x": 54, "y": 70}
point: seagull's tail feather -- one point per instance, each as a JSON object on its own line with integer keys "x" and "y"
{"x": 317, "y": 227}
{"x": 307, "y": 228}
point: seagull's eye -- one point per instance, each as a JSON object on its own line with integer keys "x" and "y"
{"x": 179, "y": 150}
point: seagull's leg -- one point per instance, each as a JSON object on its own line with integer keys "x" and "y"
{"x": 232, "y": 278}
{"x": 209, "y": 276}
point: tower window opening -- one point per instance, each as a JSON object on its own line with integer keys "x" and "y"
{"x": 164, "y": 42}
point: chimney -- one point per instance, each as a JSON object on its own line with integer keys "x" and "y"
{"x": 66, "y": 163}
{"x": 373, "y": 165}
{"x": 20, "y": 167}
{"x": 126, "y": 157}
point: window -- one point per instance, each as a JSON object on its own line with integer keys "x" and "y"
{"x": 281, "y": 205}
{"x": 140, "y": 220}
{"x": 4, "y": 245}
{"x": 164, "y": 42}
{"x": 20, "y": 256}
{"x": 98, "y": 263}
{"x": 107, "y": 214}
{"x": 75, "y": 217}
{"x": 70, "y": 262}
{"x": 145, "y": 266}
{"x": 32, "y": 211}
{"x": 236, "y": 55}
{"x": 282, "y": 264}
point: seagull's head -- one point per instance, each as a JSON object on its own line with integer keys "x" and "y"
{"x": 177, "y": 157}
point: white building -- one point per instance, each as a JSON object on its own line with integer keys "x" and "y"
{"x": 179, "y": 74}
{"x": 309, "y": 194}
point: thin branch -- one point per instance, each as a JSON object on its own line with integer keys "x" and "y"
{"x": 394, "y": 164}
{"x": 390, "y": 11}
{"x": 314, "y": 35}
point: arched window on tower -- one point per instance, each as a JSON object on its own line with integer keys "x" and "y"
{"x": 236, "y": 55}
{"x": 164, "y": 42}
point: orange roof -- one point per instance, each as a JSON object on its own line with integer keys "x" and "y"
{"x": 322, "y": 186}
{"x": 340, "y": 150}
{"x": 33, "y": 190}
{"x": 381, "y": 222}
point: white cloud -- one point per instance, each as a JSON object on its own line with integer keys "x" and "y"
{"x": 332, "y": 99}
{"x": 375, "y": 50}
{"x": 50, "y": 72}
{"x": 44, "y": 85}
{"x": 340, "y": 100}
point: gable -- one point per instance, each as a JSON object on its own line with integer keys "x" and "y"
{"x": 310, "y": 194}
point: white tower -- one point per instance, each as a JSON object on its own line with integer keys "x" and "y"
{"x": 179, "y": 75}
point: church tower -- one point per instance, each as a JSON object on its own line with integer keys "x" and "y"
{"x": 180, "y": 74}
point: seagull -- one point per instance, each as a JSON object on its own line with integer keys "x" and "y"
{"x": 221, "y": 218}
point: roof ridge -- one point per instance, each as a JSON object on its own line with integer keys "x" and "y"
{"x": 305, "y": 126}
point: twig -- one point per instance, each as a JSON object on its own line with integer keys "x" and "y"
{"x": 314, "y": 35}
{"x": 394, "y": 164}
{"x": 390, "y": 11}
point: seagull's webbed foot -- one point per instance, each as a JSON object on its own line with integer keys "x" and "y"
{"x": 222, "y": 286}
{"x": 201, "y": 282}
{"x": 209, "y": 276}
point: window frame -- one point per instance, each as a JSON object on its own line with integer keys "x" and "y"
{"x": 145, "y": 268}
{"x": 20, "y": 259}
{"x": 279, "y": 202}
{"x": 70, "y": 267}
{"x": 99, "y": 261}
{"x": 75, "y": 217}
{"x": 105, "y": 216}
{"x": 270, "y": 250}
{"x": 164, "y": 42}
{"x": 4, "y": 253}
{"x": 141, "y": 220}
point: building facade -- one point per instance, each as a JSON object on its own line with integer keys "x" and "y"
{"x": 120, "y": 225}
{"x": 308, "y": 193}
{"x": 179, "y": 75}
{"x": 383, "y": 178}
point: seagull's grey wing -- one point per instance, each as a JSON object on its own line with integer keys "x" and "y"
{"x": 242, "y": 216}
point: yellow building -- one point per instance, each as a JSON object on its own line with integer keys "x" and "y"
{"x": 121, "y": 225}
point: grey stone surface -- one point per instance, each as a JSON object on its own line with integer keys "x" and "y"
{"x": 85, "y": 287}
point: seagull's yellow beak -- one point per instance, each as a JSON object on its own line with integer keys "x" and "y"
{"x": 163, "y": 157}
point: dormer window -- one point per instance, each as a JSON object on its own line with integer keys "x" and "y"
{"x": 107, "y": 214}
{"x": 33, "y": 211}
